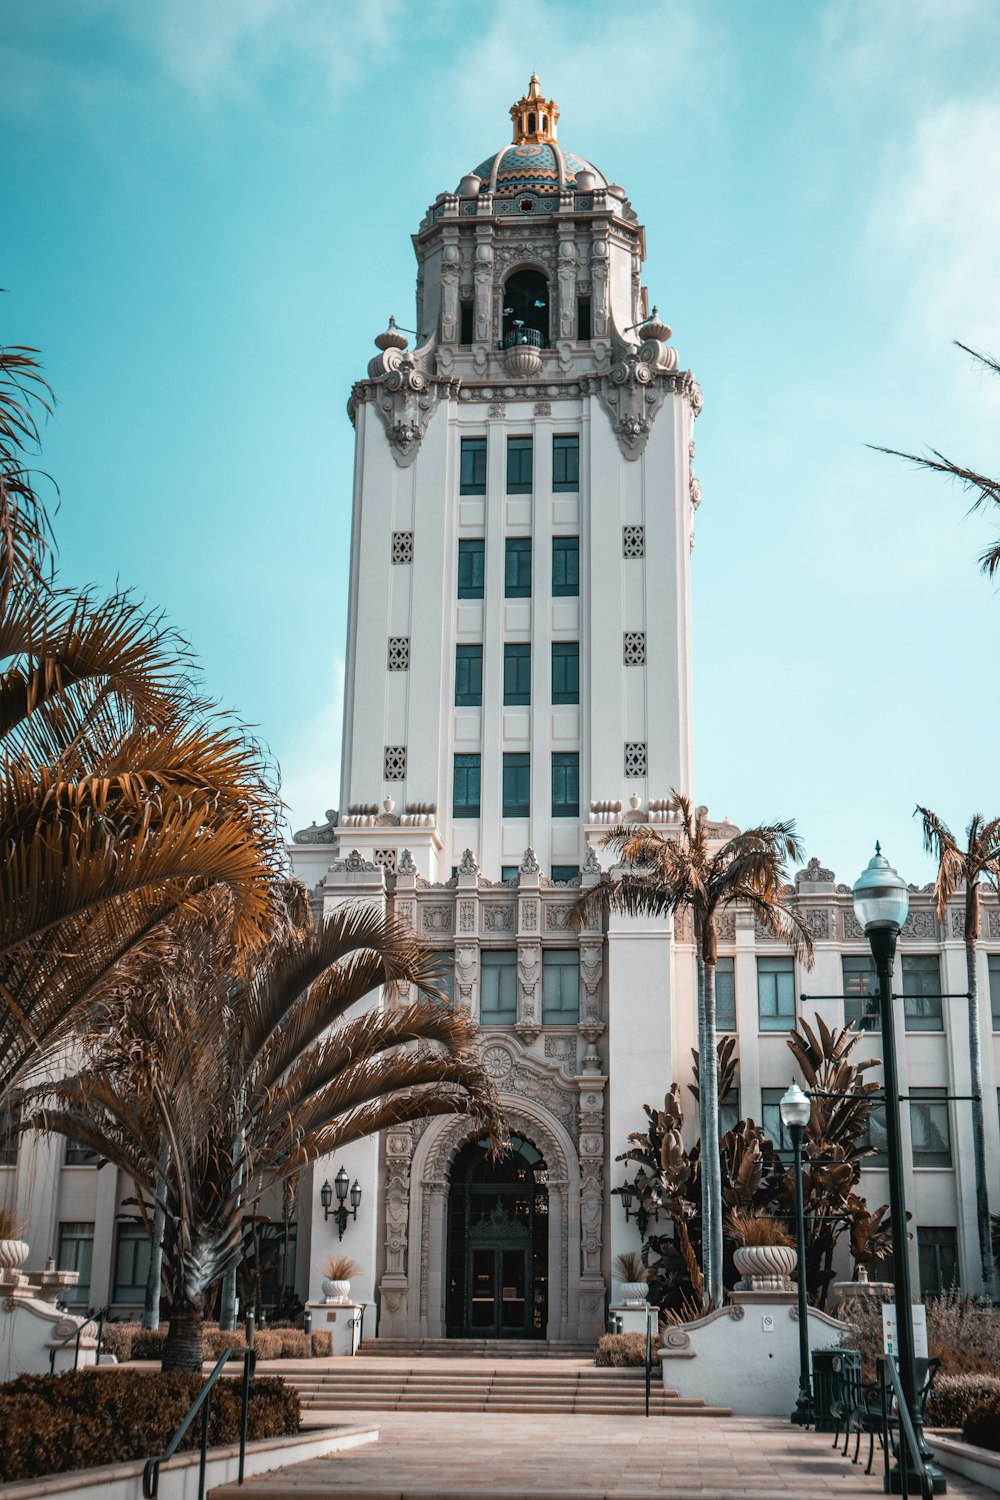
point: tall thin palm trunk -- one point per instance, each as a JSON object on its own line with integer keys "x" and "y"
{"x": 703, "y": 1134}
{"x": 709, "y": 1089}
{"x": 986, "y": 1264}
{"x": 154, "y": 1280}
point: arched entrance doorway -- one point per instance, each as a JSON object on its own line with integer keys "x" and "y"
{"x": 498, "y": 1243}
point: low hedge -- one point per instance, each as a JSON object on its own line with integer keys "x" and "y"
{"x": 983, "y": 1426}
{"x": 53, "y": 1423}
{"x": 620, "y": 1350}
{"x": 128, "y": 1341}
{"x": 954, "y": 1397}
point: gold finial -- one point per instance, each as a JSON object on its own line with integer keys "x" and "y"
{"x": 534, "y": 117}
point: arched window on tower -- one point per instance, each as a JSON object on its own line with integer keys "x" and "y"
{"x": 526, "y": 310}
{"x": 531, "y": 124}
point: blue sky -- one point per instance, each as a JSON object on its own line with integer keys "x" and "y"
{"x": 207, "y": 216}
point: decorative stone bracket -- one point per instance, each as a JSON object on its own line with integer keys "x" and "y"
{"x": 405, "y": 394}
{"x": 636, "y": 386}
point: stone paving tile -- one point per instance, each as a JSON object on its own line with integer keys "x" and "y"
{"x": 480, "y": 1455}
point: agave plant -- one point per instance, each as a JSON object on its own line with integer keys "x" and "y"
{"x": 250, "y": 1072}
{"x": 124, "y": 796}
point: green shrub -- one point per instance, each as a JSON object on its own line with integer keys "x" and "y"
{"x": 118, "y": 1340}
{"x": 982, "y": 1426}
{"x": 147, "y": 1343}
{"x": 53, "y": 1423}
{"x": 954, "y": 1397}
{"x": 624, "y": 1349}
{"x": 322, "y": 1345}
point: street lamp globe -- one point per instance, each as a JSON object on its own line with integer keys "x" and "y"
{"x": 881, "y": 899}
{"x": 795, "y": 1107}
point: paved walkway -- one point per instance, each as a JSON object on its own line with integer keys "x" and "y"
{"x": 624, "y": 1458}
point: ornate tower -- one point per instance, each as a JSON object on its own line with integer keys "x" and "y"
{"x": 518, "y": 660}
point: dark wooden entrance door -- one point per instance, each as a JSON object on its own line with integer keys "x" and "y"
{"x": 498, "y": 1276}
{"x": 498, "y": 1251}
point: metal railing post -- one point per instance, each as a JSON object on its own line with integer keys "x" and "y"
{"x": 249, "y": 1360}
{"x": 203, "y": 1461}
{"x": 649, "y": 1353}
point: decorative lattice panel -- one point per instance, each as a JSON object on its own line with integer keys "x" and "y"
{"x": 402, "y": 546}
{"x": 395, "y": 763}
{"x": 635, "y": 648}
{"x": 635, "y": 757}
{"x": 399, "y": 653}
{"x": 633, "y": 541}
{"x": 385, "y": 859}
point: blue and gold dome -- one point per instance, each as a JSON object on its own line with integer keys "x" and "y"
{"x": 534, "y": 162}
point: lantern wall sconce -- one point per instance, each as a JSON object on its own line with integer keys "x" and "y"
{"x": 646, "y": 1207}
{"x": 345, "y": 1190}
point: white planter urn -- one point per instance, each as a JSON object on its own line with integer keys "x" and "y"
{"x": 635, "y": 1291}
{"x": 766, "y": 1268}
{"x": 522, "y": 361}
{"x": 336, "y": 1291}
{"x": 13, "y": 1254}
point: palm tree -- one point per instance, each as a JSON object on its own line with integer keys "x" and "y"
{"x": 966, "y": 868}
{"x": 248, "y": 1072}
{"x": 686, "y": 869}
{"x": 124, "y": 795}
{"x": 986, "y": 490}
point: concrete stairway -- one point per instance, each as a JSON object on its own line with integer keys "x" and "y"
{"x": 479, "y": 1386}
{"x": 491, "y": 1349}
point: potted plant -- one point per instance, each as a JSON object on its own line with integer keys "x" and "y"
{"x": 13, "y": 1250}
{"x": 765, "y": 1254}
{"x": 634, "y": 1276}
{"x": 337, "y": 1273}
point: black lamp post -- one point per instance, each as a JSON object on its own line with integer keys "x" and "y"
{"x": 343, "y": 1187}
{"x": 881, "y": 904}
{"x": 795, "y": 1110}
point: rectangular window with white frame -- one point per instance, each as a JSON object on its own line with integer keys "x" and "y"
{"x": 930, "y": 1127}
{"x": 560, "y": 986}
{"x": 498, "y": 987}
{"x": 725, "y": 995}
{"x": 76, "y": 1253}
{"x": 776, "y": 993}
{"x": 921, "y": 981}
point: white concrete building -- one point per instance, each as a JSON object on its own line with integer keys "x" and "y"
{"x": 519, "y": 677}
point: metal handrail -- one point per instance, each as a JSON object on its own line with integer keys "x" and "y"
{"x": 649, "y": 1352}
{"x": 358, "y": 1322}
{"x": 908, "y": 1451}
{"x": 94, "y": 1317}
{"x": 203, "y": 1400}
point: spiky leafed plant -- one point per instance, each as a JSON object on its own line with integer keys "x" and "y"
{"x": 123, "y": 795}
{"x": 966, "y": 869}
{"x": 250, "y": 1075}
{"x": 687, "y": 868}
{"x": 985, "y": 489}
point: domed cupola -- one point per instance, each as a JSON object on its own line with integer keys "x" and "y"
{"x": 535, "y": 162}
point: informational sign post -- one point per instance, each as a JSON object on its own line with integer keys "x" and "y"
{"x": 890, "y": 1337}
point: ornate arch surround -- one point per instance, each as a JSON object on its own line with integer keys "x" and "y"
{"x": 432, "y": 1159}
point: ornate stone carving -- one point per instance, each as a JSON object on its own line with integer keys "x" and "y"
{"x": 725, "y": 926}
{"x": 557, "y": 917}
{"x": 819, "y": 921}
{"x": 852, "y": 927}
{"x": 591, "y": 863}
{"x": 529, "y": 864}
{"x": 498, "y": 410}
{"x": 958, "y": 924}
{"x": 436, "y": 916}
{"x": 529, "y": 916}
{"x": 543, "y": 408}
{"x": 466, "y": 967}
{"x": 398, "y": 1155}
{"x": 562, "y": 1049}
{"x": 406, "y": 865}
{"x": 319, "y": 833}
{"x": 683, "y": 927}
{"x": 498, "y": 918}
{"x": 468, "y": 865}
{"x": 814, "y": 873}
{"x": 529, "y": 968}
{"x": 920, "y": 924}
{"x": 466, "y": 916}
{"x": 404, "y": 395}
{"x": 591, "y": 1145}
{"x": 354, "y": 863}
{"x": 591, "y": 971}
{"x": 994, "y": 923}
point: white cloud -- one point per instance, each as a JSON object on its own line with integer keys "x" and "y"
{"x": 310, "y": 766}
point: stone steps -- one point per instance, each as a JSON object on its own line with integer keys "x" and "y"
{"x": 571, "y": 1391}
{"x": 493, "y": 1349}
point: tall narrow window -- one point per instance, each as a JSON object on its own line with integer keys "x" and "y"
{"x": 516, "y": 673}
{"x": 517, "y": 568}
{"x": 471, "y": 568}
{"x": 860, "y": 992}
{"x": 468, "y": 676}
{"x": 565, "y": 671}
{"x": 930, "y": 1127}
{"x": 465, "y": 323}
{"x": 10, "y": 1134}
{"x": 565, "y": 464}
{"x": 993, "y": 962}
{"x": 131, "y": 1263}
{"x": 922, "y": 991}
{"x": 75, "y": 1253}
{"x": 519, "y": 466}
{"x": 938, "y": 1253}
{"x": 565, "y": 566}
{"x": 729, "y": 1109}
{"x": 472, "y": 480}
{"x": 560, "y": 986}
{"x": 774, "y": 1127}
{"x": 776, "y": 993}
{"x": 566, "y": 784}
{"x": 583, "y": 319}
{"x": 442, "y": 977}
{"x": 465, "y": 790}
{"x": 498, "y": 987}
{"x": 725, "y": 995}
{"x": 516, "y": 784}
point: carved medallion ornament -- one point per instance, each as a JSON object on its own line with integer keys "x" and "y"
{"x": 634, "y": 389}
